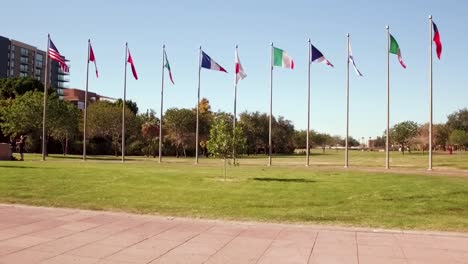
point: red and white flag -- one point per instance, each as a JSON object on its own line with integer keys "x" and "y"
{"x": 130, "y": 60}
{"x": 240, "y": 73}
{"x": 93, "y": 59}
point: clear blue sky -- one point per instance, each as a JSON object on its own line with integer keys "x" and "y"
{"x": 218, "y": 25}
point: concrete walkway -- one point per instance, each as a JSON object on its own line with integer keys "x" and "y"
{"x": 49, "y": 235}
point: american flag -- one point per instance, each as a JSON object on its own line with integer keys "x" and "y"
{"x": 54, "y": 54}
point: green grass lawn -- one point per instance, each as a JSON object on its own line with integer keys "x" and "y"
{"x": 286, "y": 193}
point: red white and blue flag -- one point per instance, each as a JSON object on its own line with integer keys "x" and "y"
{"x": 317, "y": 56}
{"x": 437, "y": 40}
{"x": 209, "y": 63}
{"x": 54, "y": 54}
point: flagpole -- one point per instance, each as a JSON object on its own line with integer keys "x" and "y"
{"x": 308, "y": 107}
{"x": 198, "y": 102}
{"x": 347, "y": 103}
{"x": 235, "y": 114}
{"x": 86, "y": 105}
{"x": 271, "y": 108}
{"x": 430, "y": 95}
{"x": 162, "y": 100}
{"x": 44, "y": 115}
{"x": 123, "y": 103}
{"x": 387, "y": 145}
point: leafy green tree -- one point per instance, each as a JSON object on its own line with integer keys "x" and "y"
{"x": 459, "y": 138}
{"x": 402, "y": 133}
{"x": 13, "y": 87}
{"x": 223, "y": 139}
{"x": 132, "y": 106}
{"x": 105, "y": 121}
{"x": 180, "y": 126}
{"x": 255, "y": 127}
{"x": 458, "y": 120}
{"x": 150, "y": 132}
{"x": 63, "y": 121}
{"x": 23, "y": 115}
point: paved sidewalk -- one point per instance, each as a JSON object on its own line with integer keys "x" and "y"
{"x": 49, "y": 235}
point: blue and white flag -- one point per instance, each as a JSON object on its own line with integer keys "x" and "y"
{"x": 351, "y": 59}
{"x": 208, "y": 63}
{"x": 317, "y": 56}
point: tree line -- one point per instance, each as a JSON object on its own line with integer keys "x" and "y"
{"x": 21, "y": 101}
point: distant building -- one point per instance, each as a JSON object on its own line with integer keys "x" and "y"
{"x": 19, "y": 59}
{"x": 77, "y": 97}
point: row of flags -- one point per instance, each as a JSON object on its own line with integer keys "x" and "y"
{"x": 279, "y": 58}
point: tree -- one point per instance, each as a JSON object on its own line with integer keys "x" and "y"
{"x": 223, "y": 139}
{"x": 23, "y": 115}
{"x": 13, "y": 87}
{"x": 105, "y": 121}
{"x": 402, "y": 133}
{"x": 129, "y": 104}
{"x": 180, "y": 125}
{"x": 150, "y": 133}
{"x": 255, "y": 128}
{"x": 459, "y": 138}
{"x": 282, "y": 135}
{"x": 63, "y": 121}
{"x": 458, "y": 120}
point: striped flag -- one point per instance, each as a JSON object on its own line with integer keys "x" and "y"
{"x": 240, "y": 73}
{"x": 209, "y": 63}
{"x": 93, "y": 59}
{"x": 317, "y": 56}
{"x": 130, "y": 60}
{"x": 168, "y": 67}
{"x": 54, "y": 54}
{"x": 351, "y": 59}
{"x": 437, "y": 40}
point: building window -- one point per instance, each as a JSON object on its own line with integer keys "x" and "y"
{"x": 37, "y": 72}
{"x": 24, "y": 60}
{"x": 23, "y": 74}
{"x": 12, "y": 56}
{"x": 12, "y": 47}
{"x": 24, "y": 68}
{"x": 24, "y": 52}
{"x": 39, "y": 60}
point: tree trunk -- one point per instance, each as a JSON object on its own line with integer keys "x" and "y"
{"x": 224, "y": 168}
{"x": 66, "y": 145}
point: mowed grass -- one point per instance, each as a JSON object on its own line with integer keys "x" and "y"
{"x": 286, "y": 192}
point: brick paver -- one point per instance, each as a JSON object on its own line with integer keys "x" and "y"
{"x": 49, "y": 235}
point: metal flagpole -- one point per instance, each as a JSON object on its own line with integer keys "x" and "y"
{"x": 198, "y": 102}
{"x": 123, "y": 103}
{"x": 387, "y": 145}
{"x": 235, "y": 114}
{"x": 271, "y": 108}
{"x": 308, "y": 106}
{"x": 86, "y": 105}
{"x": 162, "y": 97}
{"x": 44, "y": 115}
{"x": 347, "y": 103}
{"x": 430, "y": 96}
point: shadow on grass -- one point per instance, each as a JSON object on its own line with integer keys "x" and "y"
{"x": 23, "y": 167}
{"x": 284, "y": 180}
{"x": 100, "y": 158}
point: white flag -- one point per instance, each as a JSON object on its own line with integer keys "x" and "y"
{"x": 240, "y": 73}
{"x": 351, "y": 59}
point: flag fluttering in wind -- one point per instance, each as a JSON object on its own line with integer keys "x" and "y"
{"x": 209, "y": 63}
{"x": 55, "y": 55}
{"x": 168, "y": 67}
{"x": 93, "y": 59}
{"x": 282, "y": 59}
{"x": 240, "y": 73}
{"x": 317, "y": 56}
{"x": 130, "y": 60}
{"x": 395, "y": 49}
{"x": 437, "y": 40}
{"x": 351, "y": 59}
